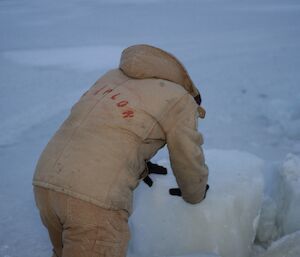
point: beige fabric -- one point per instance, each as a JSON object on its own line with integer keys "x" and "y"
{"x": 145, "y": 61}
{"x": 90, "y": 232}
{"x": 99, "y": 153}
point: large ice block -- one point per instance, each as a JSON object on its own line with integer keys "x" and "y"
{"x": 289, "y": 214}
{"x": 224, "y": 223}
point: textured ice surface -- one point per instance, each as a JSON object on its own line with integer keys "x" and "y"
{"x": 267, "y": 228}
{"x": 289, "y": 216}
{"x": 224, "y": 223}
{"x": 288, "y": 246}
{"x": 281, "y": 208}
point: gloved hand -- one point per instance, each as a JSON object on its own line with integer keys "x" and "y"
{"x": 177, "y": 191}
{"x": 154, "y": 169}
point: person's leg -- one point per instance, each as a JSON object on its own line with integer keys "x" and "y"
{"x": 49, "y": 219}
{"x": 91, "y": 231}
{"x": 114, "y": 236}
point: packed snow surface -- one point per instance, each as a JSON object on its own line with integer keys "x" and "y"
{"x": 224, "y": 223}
{"x": 77, "y": 58}
{"x": 244, "y": 56}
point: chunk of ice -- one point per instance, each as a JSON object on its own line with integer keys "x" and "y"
{"x": 287, "y": 246}
{"x": 267, "y": 228}
{"x": 289, "y": 215}
{"x": 224, "y": 223}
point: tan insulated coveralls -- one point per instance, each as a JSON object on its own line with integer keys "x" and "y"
{"x": 98, "y": 154}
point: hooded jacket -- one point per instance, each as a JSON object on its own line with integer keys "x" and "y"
{"x": 99, "y": 152}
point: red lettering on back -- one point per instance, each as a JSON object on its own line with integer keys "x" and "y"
{"x": 122, "y": 103}
{"x": 114, "y": 96}
{"x": 128, "y": 114}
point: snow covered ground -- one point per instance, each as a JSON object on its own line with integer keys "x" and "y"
{"x": 243, "y": 55}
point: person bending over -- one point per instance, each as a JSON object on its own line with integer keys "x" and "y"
{"x": 85, "y": 177}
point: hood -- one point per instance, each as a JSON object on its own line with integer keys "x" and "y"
{"x": 145, "y": 61}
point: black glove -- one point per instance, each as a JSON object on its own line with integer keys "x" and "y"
{"x": 148, "y": 181}
{"x": 177, "y": 191}
{"x": 206, "y": 189}
{"x": 154, "y": 169}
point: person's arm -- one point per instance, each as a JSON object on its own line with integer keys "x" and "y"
{"x": 186, "y": 154}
